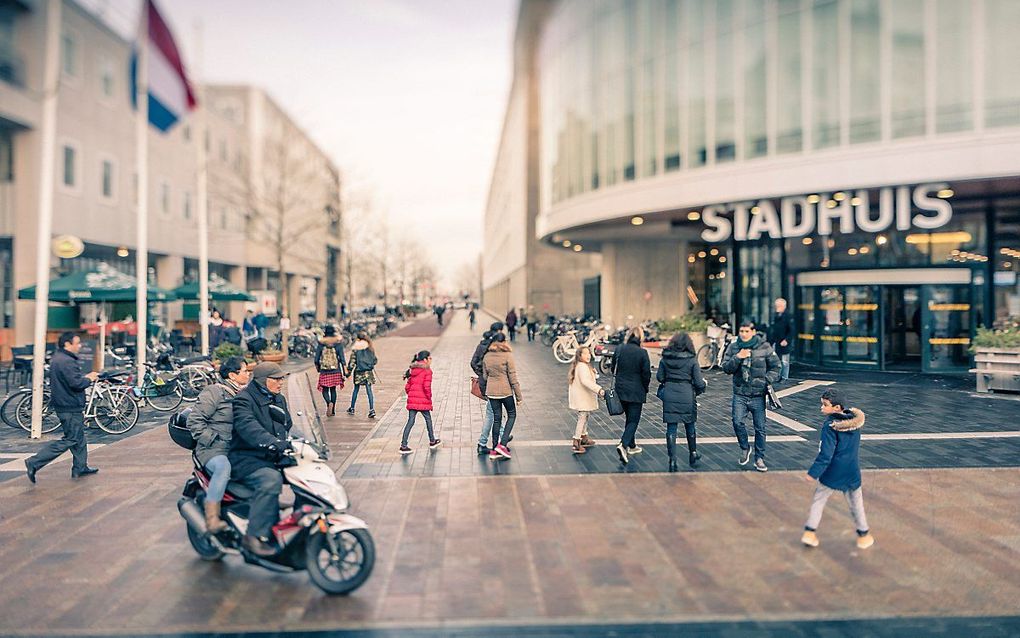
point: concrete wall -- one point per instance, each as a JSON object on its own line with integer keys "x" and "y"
{"x": 632, "y": 268}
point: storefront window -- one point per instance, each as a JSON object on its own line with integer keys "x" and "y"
{"x": 953, "y": 60}
{"x": 697, "y": 149}
{"x": 865, "y": 95}
{"x": 908, "y": 77}
{"x": 825, "y": 75}
{"x": 1002, "y": 73}
{"x": 710, "y": 281}
{"x": 755, "y": 140}
{"x": 789, "y": 137}
{"x": 725, "y": 84}
{"x": 761, "y": 280}
{"x": 1007, "y": 262}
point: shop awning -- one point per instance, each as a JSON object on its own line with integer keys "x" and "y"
{"x": 101, "y": 284}
{"x": 219, "y": 290}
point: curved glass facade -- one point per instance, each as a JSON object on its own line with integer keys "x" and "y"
{"x": 636, "y": 89}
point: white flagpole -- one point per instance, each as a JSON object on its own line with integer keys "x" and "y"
{"x": 142, "y": 160}
{"x": 48, "y": 126}
{"x": 202, "y": 197}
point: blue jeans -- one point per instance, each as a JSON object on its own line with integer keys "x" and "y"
{"x": 219, "y": 468}
{"x": 487, "y": 428}
{"x": 756, "y": 406}
{"x": 784, "y": 373}
{"x": 368, "y": 391}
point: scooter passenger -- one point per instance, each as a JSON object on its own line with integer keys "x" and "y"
{"x": 212, "y": 424}
{"x": 257, "y": 444}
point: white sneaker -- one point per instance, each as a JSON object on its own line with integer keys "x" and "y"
{"x": 622, "y": 452}
{"x": 635, "y": 450}
{"x": 760, "y": 465}
{"x": 745, "y": 456}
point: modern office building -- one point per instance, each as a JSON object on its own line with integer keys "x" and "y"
{"x": 96, "y": 182}
{"x": 859, "y": 157}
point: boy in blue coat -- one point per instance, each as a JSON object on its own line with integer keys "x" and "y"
{"x": 837, "y": 467}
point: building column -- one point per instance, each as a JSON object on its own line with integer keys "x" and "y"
{"x": 238, "y": 276}
{"x": 169, "y": 275}
{"x": 643, "y": 280}
{"x": 320, "y": 299}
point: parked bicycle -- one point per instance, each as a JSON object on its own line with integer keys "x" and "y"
{"x": 109, "y": 405}
{"x": 567, "y": 345}
{"x": 710, "y": 355}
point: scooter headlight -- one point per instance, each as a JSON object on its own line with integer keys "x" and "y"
{"x": 335, "y": 494}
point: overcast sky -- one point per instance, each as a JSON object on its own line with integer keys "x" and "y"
{"x": 407, "y": 96}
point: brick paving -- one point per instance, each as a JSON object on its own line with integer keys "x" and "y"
{"x": 593, "y": 552}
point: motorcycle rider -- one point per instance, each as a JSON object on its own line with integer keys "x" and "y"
{"x": 258, "y": 442}
{"x": 212, "y": 424}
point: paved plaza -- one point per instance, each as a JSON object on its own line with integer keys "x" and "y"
{"x": 549, "y": 543}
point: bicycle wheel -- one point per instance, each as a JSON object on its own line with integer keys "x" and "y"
{"x": 192, "y": 381}
{"x": 547, "y": 339}
{"x": 116, "y": 411}
{"x": 562, "y": 352}
{"x": 706, "y": 356}
{"x": 164, "y": 402}
{"x": 50, "y": 421}
{"x": 9, "y": 409}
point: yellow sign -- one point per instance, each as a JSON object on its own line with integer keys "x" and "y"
{"x": 862, "y": 306}
{"x": 963, "y": 307}
{"x": 961, "y": 341}
{"x": 67, "y": 246}
{"x": 862, "y": 339}
{"x": 806, "y": 337}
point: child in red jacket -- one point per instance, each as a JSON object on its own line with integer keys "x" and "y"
{"x": 419, "y": 398}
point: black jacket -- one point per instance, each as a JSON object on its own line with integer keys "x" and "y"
{"x": 681, "y": 381}
{"x": 780, "y": 330}
{"x": 67, "y": 383}
{"x": 633, "y": 372}
{"x": 750, "y": 381}
{"x": 476, "y": 358}
{"x": 255, "y": 430}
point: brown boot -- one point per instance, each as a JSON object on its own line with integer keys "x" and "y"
{"x": 578, "y": 448}
{"x": 587, "y": 441}
{"x": 330, "y": 409}
{"x": 213, "y": 522}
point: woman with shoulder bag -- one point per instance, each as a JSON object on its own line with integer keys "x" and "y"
{"x": 329, "y": 363}
{"x": 501, "y": 388}
{"x": 680, "y": 382}
{"x": 582, "y": 395}
{"x": 362, "y": 367}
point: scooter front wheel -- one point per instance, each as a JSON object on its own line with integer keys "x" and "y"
{"x": 345, "y": 570}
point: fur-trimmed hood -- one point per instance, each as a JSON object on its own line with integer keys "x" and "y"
{"x": 330, "y": 341}
{"x": 360, "y": 345}
{"x": 500, "y": 346}
{"x": 847, "y": 420}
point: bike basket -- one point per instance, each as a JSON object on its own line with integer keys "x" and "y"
{"x": 161, "y": 387}
{"x": 179, "y": 432}
{"x": 714, "y": 332}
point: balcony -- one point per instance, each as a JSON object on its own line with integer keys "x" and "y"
{"x": 12, "y": 68}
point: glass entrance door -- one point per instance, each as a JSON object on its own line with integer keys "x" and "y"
{"x": 862, "y": 325}
{"x": 902, "y": 334}
{"x": 830, "y": 324}
{"x": 946, "y": 319}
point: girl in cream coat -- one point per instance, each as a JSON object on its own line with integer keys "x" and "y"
{"x": 583, "y": 395}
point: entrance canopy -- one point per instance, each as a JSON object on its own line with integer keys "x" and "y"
{"x": 101, "y": 284}
{"x": 219, "y": 290}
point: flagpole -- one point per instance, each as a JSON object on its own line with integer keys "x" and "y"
{"x": 48, "y": 126}
{"x": 202, "y": 196}
{"x": 141, "y": 158}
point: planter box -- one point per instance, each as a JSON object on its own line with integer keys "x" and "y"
{"x": 274, "y": 357}
{"x": 997, "y": 369}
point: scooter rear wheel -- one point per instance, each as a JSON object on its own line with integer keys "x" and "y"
{"x": 203, "y": 547}
{"x": 352, "y": 567}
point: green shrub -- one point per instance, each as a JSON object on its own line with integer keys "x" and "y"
{"x": 686, "y": 323}
{"x": 989, "y": 338}
{"x": 227, "y": 350}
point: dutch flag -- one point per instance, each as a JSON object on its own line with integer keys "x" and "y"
{"x": 170, "y": 94}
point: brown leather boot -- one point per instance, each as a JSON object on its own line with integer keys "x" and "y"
{"x": 213, "y": 522}
{"x": 577, "y": 447}
{"x": 587, "y": 441}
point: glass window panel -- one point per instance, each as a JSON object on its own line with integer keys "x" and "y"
{"x": 671, "y": 88}
{"x": 725, "y": 83}
{"x": 107, "y": 179}
{"x": 69, "y": 54}
{"x": 1007, "y": 263}
{"x": 953, "y": 87}
{"x": 697, "y": 149}
{"x": 825, "y": 74}
{"x": 906, "y": 21}
{"x": 69, "y": 168}
{"x": 755, "y": 104}
{"x": 1002, "y": 62}
{"x": 789, "y": 136}
{"x": 865, "y": 81}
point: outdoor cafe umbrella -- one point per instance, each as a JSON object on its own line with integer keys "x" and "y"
{"x": 101, "y": 284}
{"x": 219, "y": 290}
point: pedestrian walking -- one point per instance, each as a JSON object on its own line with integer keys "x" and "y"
{"x": 211, "y": 423}
{"x": 680, "y": 382}
{"x": 501, "y": 388}
{"x": 67, "y": 399}
{"x": 511, "y": 323}
{"x": 472, "y": 318}
{"x": 837, "y": 468}
{"x": 261, "y": 323}
{"x": 330, "y": 364}
{"x": 532, "y": 323}
{"x": 215, "y": 329}
{"x": 362, "y": 367}
{"x": 440, "y": 309}
{"x": 633, "y": 372}
{"x": 418, "y": 387}
{"x": 781, "y": 336}
{"x": 477, "y": 367}
{"x": 583, "y": 393}
{"x": 248, "y": 329}
{"x": 754, "y": 366}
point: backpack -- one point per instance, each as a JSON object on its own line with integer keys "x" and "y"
{"x": 329, "y": 360}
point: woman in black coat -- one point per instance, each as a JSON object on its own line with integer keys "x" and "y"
{"x": 633, "y": 372}
{"x": 680, "y": 382}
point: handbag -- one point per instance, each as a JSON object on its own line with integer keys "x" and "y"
{"x": 613, "y": 404}
{"x": 476, "y": 388}
{"x": 661, "y": 392}
{"x": 772, "y": 401}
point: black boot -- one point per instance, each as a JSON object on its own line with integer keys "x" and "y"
{"x": 672, "y": 464}
{"x": 692, "y": 442}
{"x": 694, "y": 458}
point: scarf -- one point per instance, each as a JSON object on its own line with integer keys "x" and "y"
{"x": 745, "y": 364}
